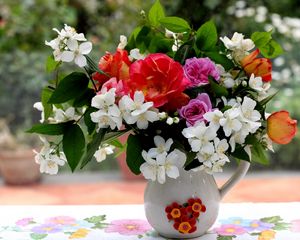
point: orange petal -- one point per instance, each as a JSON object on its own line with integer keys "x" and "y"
{"x": 249, "y": 58}
{"x": 281, "y": 128}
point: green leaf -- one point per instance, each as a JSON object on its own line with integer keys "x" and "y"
{"x": 96, "y": 219}
{"x": 134, "y": 157}
{"x": 268, "y": 47}
{"x": 175, "y": 24}
{"x": 70, "y": 87}
{"x": 271, "y": 50}
{"x": 185, "y": 51}
{"x": 207, "y": 36}
{"x": 51, "y": 64}
{"x": 88, "y": 121}
{"x": 73, "y": 145}
{"x": 220, "y": 59}
{"x": 261, "y": 38}
{"x": 49, "y": 129}
{"x": 37, "y": 236}
{"x": 240, "y": 153}
{"x": 190, "y": 156}
{"x": 156, "y": 13}
{"x": 267, "y": 99}
{"x": 116, "y": 143}
{"x": 259, "y": 154}
{"x": 273, "y": 219}
{"x": 218, "y": 89}
{"x": 46, "y": 94}
{"x": 219, "y": 237}
{"x": 93, "y": 146}
{"x": 85, "y": 98}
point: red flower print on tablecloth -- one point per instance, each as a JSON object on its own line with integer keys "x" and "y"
{"x": 129, "y": 227}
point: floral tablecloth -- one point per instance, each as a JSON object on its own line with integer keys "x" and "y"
{"x": 263, "y": 221}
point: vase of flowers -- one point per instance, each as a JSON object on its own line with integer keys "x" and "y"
{"x": 191, "y": 101}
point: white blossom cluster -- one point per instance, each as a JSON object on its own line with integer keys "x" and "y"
{"x": 239, "y": 46}
{"x": 132, "y": 111}
{"x": 237, "y": 123}
{"x": 70, "y": 46}
{"x": 49, "y": 158}
{"x": 60, "y": 115}
{"x": 159, "y": 162}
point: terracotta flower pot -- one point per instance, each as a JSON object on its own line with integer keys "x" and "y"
{"x": 18, "y": 167}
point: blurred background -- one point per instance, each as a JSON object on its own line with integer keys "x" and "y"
{"x": 26, "y": 24}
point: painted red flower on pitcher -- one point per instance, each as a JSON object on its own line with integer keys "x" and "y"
{"x": 186, "y": 215}
{"x": 161, "y": 79}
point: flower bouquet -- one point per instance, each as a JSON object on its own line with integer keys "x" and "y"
{"x": 189, "y": 100}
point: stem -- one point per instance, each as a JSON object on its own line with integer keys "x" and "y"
{"x": 94, "y": 85}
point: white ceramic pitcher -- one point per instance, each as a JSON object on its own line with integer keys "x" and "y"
{"x": 189, "y": 185}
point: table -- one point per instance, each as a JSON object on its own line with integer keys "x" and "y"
{"x": 262, "y": 221}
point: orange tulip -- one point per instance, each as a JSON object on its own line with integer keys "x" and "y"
{"x": 280, "y": 127}
{"x": 260, "y": 67}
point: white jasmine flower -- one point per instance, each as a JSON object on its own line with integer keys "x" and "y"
{"x": 135, "y": 54}
{"x": 268, "y": 142}
{"x": 123, "y": 42}
{"x": 168, "y": 165}
{"x": 108, "y": 115}
{"x": 150, "y": 168}
{"x": 49, "y": 159}
{"x": 226, "y": 78}
{"x": 70, "y": 33}
{"x": 237, "y": 42}
{"x": 162, "y": 146}
{"x": 248, "y": 111}
{"x": 237, "y": 137}
{"x": 39, "y": 106}
{"x": 63, "y": 116}
{"x": 170, "y": 121}
{"x": 199, "y": 136}
{"x": 162, "y": 115}
{"x": 136, "y": 111}
{"x": 214, "y": 118}
{"x": 221, "y": 147}
{"x": 103, "y": 151}
{"x": 230, "y": 121}
{"x": 256, "y": 83}
{"x": 162, "y": 166}
{"x": 76, "y": 52}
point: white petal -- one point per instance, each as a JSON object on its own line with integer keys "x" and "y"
{"x": 158, "y": 140}
{"x": 80, "y": 60}
{"x": 139, "y": 97}
{"x": 161, "y": 175}
{"x": 172, "y": 172}
{"x": 85, "y": 48}
{"x": 168, "y": 144}
{"x": 72, "y": 44}
{"x": 67, "y": 56}
{"x": 148, "y": 171}
{"x": 161, "y": 159}
{"x": 151, "y": 116}
{"x": 142, "y": 124}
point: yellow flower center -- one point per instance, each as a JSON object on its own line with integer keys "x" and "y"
{"x": 184, "y": 227}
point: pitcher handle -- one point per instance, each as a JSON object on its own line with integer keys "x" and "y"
{"x": 235, "y": 178}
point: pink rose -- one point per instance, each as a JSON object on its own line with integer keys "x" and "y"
{"x": 121, "y": 89}
{"x": 197, "y": 71}
{"x": 193, "y": 112}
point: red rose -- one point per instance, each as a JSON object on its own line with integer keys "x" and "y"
{"x": 161, "y": 79}
{"x": 115, "y": 65}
